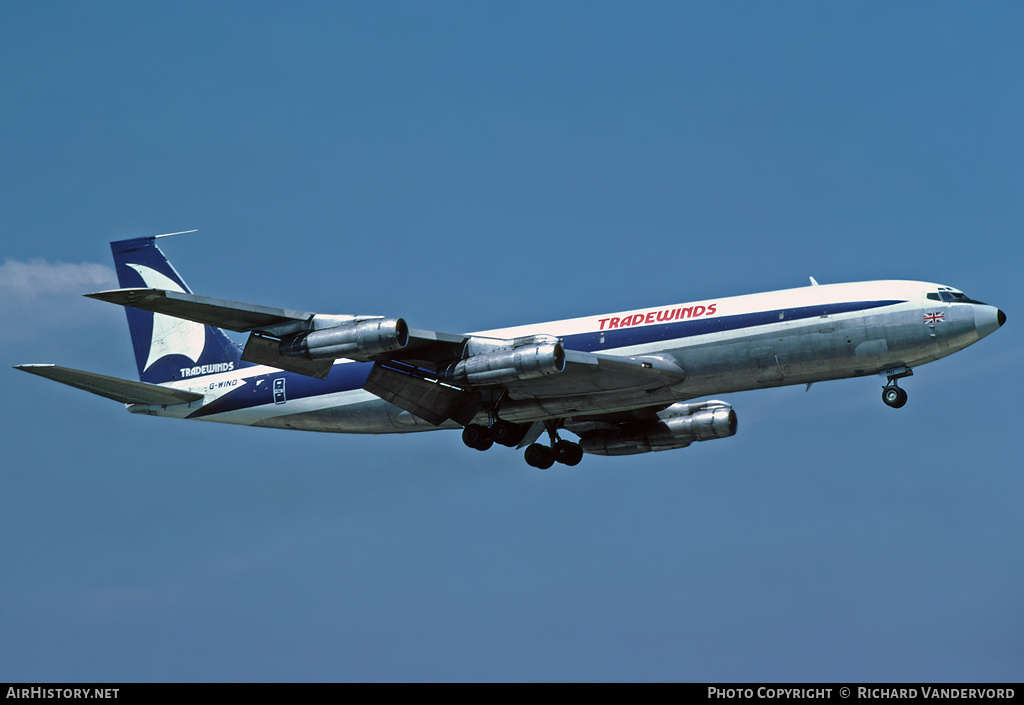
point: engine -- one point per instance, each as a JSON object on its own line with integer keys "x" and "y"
{"x": 503, "y": 366}
{"x": 679, "y": 426}
{"x": 358, "y": 340}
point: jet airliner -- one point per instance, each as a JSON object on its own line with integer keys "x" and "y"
{"x": 623, "y": 383}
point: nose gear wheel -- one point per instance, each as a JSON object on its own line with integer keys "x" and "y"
{"x": 892, "y": 394}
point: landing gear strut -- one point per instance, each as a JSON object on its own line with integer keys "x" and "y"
{"x": 892, "y": 394}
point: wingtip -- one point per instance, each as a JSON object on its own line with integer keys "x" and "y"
{"x": 31, "y": 366}
{"x": 99, "y": 294}
{"x": 120, "y": 296}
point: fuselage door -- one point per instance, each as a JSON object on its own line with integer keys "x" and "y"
{"x": 279, "y": 397}
{"x": 768, "y": 369}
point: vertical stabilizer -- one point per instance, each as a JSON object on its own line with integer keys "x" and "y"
{"x": 167, "y": 348}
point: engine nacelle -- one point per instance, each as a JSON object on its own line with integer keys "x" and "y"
{"x": 356, "y": 341}
{"x": 506, "y": 366}
{"x": 680, "y": 425}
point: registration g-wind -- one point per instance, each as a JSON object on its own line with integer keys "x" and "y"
{"x": 624, "y": 383}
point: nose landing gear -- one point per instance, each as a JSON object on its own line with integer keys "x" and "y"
{"x": 892, "y": 394}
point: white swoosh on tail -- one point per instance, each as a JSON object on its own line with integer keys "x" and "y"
{"x": 171, "y": 335}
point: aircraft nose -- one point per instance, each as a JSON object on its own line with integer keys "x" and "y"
{"x": 988, "y": 319}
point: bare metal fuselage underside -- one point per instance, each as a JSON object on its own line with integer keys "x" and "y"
{"x": 784, "y": 352}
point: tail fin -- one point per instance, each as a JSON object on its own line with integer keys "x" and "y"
{"x": 167, "y": 348}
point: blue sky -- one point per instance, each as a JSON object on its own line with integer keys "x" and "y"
{"x": 475, "y": 165}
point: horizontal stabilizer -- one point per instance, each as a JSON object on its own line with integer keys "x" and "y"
{"x": 122, "y": 390}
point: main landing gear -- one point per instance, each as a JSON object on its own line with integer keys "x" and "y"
{"x": 892, "y": 394}
{"x": 504, "y": 433}
{"x": 564, "y": 452}
{"x": 477, "y": 437}
{"x": 480, "y": 437}
{"x": 543, "y": 457}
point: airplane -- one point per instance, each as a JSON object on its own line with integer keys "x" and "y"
{"x": 623, "y": 383}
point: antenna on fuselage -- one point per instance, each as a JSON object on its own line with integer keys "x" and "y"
{"x": 814, "y": 282}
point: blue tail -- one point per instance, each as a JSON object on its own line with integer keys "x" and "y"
{"x": 167, "y": 348}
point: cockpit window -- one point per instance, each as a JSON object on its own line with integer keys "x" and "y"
{"x": 952, "y": 297}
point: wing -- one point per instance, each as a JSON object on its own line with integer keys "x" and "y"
{"x": 586, "y": 383}
{"x": 436, "y": 376}
{"x": 230, "y": 315}
{"x": 270, "y": 328}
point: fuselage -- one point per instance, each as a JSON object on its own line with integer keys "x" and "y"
{"x": 795, "y": 336}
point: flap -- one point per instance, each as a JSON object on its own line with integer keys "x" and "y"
{"x": 431, "y": 401}
{"x": 264, "y": 351}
